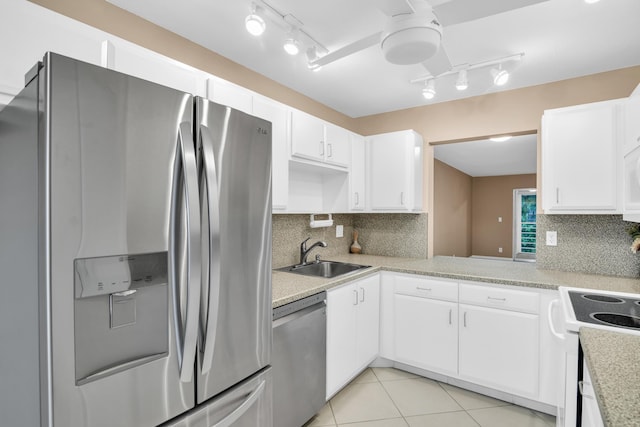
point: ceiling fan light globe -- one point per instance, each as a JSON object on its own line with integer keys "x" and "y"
{"x": 254, "y": 24}
{"x": 410, "y": 40}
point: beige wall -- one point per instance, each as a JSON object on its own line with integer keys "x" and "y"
{"x": 451, "y": 211}
{"x": 492, "y": 197}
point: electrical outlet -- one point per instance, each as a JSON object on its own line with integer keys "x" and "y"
{"x": 339, "y": 231}
{"x": 499, "y": 250}
{"x": 499, "y": 219}
{"x": 552, "y": 238}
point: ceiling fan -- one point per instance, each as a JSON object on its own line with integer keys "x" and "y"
{"x": 413, "y": 32}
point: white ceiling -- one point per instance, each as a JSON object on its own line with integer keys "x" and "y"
{"x": 489, "y": 158}
{"x": 560, "y": 39}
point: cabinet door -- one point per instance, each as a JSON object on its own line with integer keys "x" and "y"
{"x": 143, "y": 63}
{"x": 307, "y": 136}
{"x": 341, "y": 336}
{"x": 499, "y": 348}
{"x": 277, "y": 114}
{"x": 426, "y": 333}
{"x": 337, "y": 145}
{"x": 368, "y": 321}
{"x": 389, "y": 172}
{"x": 357, "y": 178}
{"x": 631, "y": 124}
{"x": 231, "y": 95}
{"x": 580, "y": 159}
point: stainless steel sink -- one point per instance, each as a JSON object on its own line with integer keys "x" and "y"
{"x": 327, "y": 269}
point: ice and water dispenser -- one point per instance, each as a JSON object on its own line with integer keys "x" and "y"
{"x": 121, "y": 313}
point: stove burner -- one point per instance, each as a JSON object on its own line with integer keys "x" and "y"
{"x": 623, "y": 320}
{"x": 603, "y": 298}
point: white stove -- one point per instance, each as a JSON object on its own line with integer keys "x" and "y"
{"x": 607, "y": 310}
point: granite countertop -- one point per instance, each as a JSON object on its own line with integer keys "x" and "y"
{"x": 289, "y": 287}
{"x": 613, "y": 359}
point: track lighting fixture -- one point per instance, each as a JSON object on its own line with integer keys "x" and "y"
{"x": 429, "y": 91}
{"x": 500, "y": 76}
{"x": 312, "y": 55}
{"x": 254, "y": 23}
{"x": 291, "y": 44}
{"x": 462, "y": 83}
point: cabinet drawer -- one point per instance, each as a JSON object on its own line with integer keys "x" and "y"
{"x": 508, "y": 299}
{"x": 426, "y": 288}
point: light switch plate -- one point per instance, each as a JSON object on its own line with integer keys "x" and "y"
{"x": 552, "y": 238}
{"x": 339, "y": 231}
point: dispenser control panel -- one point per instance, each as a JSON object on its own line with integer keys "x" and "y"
{"x": 111, "y": 274}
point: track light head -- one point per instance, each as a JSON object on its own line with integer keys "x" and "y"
{"x": 462, "y": 83}
{"x": 500, "y": 76}
{"x": 254, "y": 23}
{"x": 291, "y": 44}
{"x": 429, "y": 91}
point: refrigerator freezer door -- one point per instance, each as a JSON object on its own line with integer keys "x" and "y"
{"x": 111, "y": 143}
{"x": 246, "y": 405}
{"x": 235, "y": 154}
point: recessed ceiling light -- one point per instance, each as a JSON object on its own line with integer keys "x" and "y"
{"x": 591, "y": 1}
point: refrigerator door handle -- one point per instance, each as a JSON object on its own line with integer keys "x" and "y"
{"x": 242, "y": 409}
{"x": 212, "y": 263}
{"x": 184, "y": 195}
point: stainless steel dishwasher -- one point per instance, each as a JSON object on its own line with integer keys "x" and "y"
{"x": 299, "y": 360}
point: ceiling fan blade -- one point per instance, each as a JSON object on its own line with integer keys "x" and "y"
{"x": 458, "y": 11}
{"x": 438, "y": 63}
{"x": 393, "y": 7}
{"x": 348, "y": 49}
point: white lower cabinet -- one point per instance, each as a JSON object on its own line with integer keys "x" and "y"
{"x": 427, "y": 333}
{"x": 591, "y": 416}
{"x": 483, "y": 334}
{"x": 353, "y": 313}
{"x": 499, "y": 349}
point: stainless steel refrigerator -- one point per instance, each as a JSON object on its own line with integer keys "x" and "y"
{"x": 135, "y": 255}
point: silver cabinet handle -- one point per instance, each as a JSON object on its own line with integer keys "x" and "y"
{"x": 423, "y": 289}
{"x": 402, "y": 198}
{"x": 496, "y": 299}
{"x": 242, "y": 409}
{"x": 362, "y": 297}
{"x": 329, "y": 150}
{"x": 557, "y": 194}
{"x": 357, "y": 198}
{"x": 322, "y": 148}
{"x": 450, "y": 314}
{"x": 355, "y": 293}
{"x": 210, "y": 199}
{"x": 184, "y": 208}
{"x": 464, "y": 319}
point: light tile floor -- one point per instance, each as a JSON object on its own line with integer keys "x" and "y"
{"x": 387, "y": 397}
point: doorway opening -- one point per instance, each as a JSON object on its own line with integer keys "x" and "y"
{"x": 524, "y": 224}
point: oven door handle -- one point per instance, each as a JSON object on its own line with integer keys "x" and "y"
{"x": 552, "y": 327}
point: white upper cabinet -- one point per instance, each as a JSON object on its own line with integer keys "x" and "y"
{"x": 134, "y": 60}
{"x": 580, "y": 159}
{"x": 229, "y": 94}
{"x": 631, "y": 162}
{"x": 357, "y": 177}
{"x": 337, "y": 145}
{"x": 395, "y": 172}
{"x": 317, "y": 140}
{"x": 278, "y": 115}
